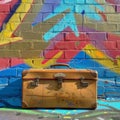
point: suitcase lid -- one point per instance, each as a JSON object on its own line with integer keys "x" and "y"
{"x": 52, "y": 73}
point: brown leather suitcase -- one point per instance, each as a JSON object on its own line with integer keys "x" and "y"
{"x": 59, "y": 88}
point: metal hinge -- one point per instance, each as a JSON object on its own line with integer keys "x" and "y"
{"x": 83, "y": 83}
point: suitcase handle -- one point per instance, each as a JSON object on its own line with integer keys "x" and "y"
{"x": 59, "y": 64}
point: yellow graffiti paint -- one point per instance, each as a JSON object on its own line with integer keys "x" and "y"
{"x": 67, "y": 117}
{"x": 14, "y": 22}
{"x": 99, "y": 54}
{"x": 102, "y": 58}
{"x": 37, "y": 62}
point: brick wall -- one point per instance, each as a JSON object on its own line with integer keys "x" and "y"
{"x": 82, "y": 33}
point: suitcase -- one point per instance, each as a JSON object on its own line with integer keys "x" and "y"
{"x": 59, "y": 86}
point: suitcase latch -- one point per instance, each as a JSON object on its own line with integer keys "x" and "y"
{"x": 83, "y": 83}
{"x": 35, "y": 82}
{"x": 59, "y": 77}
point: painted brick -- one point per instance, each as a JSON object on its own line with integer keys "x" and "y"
{"x": 76, "y": 1}
{"x": 2, "y": 16}
{"x": 4, "y": 63}
{"x": 5, "y": 8}
{"x": 118, "y": 9}
{"x": 102, "y": 1}
{"x": 118, "y": 27}
{"x": 65, "y": 45}
{"x": 25, "y": 27}
{"x": 21, "y": 46}
{"x": 2, "y": 104}
{"x": 31, "y": 35}
{"x": 10, "y": 91}
{"x": 114, "y": 53}
{"x": 36, "y": 8}
{"x": 24, "y": 8}
{"x": 79, "y": 45}
{"x": 81, "y": 63}
{"x": 8, "y": 73}
{"x": 3, "y": 81}
{"x": 48, "y": 8}
{"x": 1, "y": 88}
{"x": 110, "y": 9}
{"x": 106, "y": 82}
{"x": 13, "y": 101}
{"x": 71, "y": 36}
{"x": 51, "y": 1}
{"x": 109, "y": 27}
{"x": 29, "y": 53}
{"x": 72, "y": 53}
{"x": 15, "y": 82}
{"x": 9, "y": 53}
{"x": 100, "y": 82}
{"x": 109, "y": 82}
{"x": 113, "y": 17}
{"x": 89, "y": 25}
{"x": 14, "y": 5}
{"x": 18, "y": 18}
{"x": 110, "y": 45}
{"x": 113, "y": 1}
{"x": 38, "y": 1}
{"x": 95, "y": 54}
{"x": 30, "y": 17}
{"x": 59, "y": 37}
{"x": 118, "y": 44}
{"x": 110, "y": 89}
{"x": 90, "y": 2}
{"x": 46, "y": 27}
{"x": 52, "y": 53}
{"x": 101, "y": 90}
{"x": 62, "y": 60}
{"x": 78, "y": 9}
{"x": 28, "y": 1}
{"x": 37, "y": 45}
{"x": 118, "y": 81}
{"x": 111, "y": 74}
{"x": 112, "y": 95}
{"x": 113, "y": 37}
{"x": 16, "y": 61}
{"x": 96, "y": 35}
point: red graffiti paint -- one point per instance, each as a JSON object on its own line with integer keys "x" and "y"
{"x": 72, "y": 45}
{"x": 7, "y": 9}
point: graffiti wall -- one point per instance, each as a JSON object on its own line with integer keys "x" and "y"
{"x": 37, "y": 33}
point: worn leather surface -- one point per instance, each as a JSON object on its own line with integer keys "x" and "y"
{"x": 59, "y": 88}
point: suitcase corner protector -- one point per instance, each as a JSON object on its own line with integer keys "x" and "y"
{"x": 94, "y": 106}
{"x": 24, "y": 72}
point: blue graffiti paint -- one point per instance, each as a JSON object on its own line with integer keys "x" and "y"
{"x": 67, "y": 21}
{"x": 13, "y": 97}
{"x": 11, "y": 86}
{"x": 77, "y": 6}
{"x": 107, "y": 86}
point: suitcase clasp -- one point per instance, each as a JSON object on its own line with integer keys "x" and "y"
{"x": 35, "y": 82}
{"x": 83, "y": 83}
{"x": 59, "y": 77}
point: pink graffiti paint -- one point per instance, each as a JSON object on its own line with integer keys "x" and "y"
{"x": 5, "y": 1}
